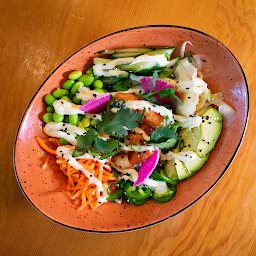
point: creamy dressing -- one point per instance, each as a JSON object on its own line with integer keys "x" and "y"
{"x": 86, "y": 94}
{"x": 141, "y": 104}
{"x": 66, "y": 153}
{"x": 159, "y": 59}
{"x": 63, "y": 107}
{"x": 188, "y": 122}
{"x": 139, "y": 148}
{"x": 57, "y": 130}
{"x": 185, "y": 157}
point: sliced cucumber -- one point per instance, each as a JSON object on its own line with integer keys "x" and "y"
{"x": 125, "y": 54}
{"x": 110, "y": 80}
{"x": 134, "y": 50}
{"x": 140, "y": 67}
{"x": 167, "y": 51}
{"x": 101, "y": 61}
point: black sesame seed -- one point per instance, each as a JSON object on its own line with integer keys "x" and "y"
{"x": 187, "y": 88}
{"x": 68, "y": 133}
{"x": 62, "y": 102}
{"x": 200, "y": 150}
{"x": 209, "y": 122}
{"x": 94, "y": 116}
{"x": 154, "y": 105}
{"x": 104, "y": 64}
{"x": 62, "y": 155}
{"x": 144, "y": 152}
{"x": 149, "y": 108}
{"x": 139, "y": 91}
{"x": 63, "y": 125}
{"x": 189, "y": 97}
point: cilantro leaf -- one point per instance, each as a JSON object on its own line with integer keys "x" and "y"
{"x": 169, "y": 93}
{"x": 164, "y": 145}
{"x": 104, "y": 146}
{"x": 163, "y": 134}
{"x": 118, "y": 124}
{"x": 123, "y": 85}
{"x": 84, "y": 141}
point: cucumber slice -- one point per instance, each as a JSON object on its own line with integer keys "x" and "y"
{"x": 167, "y": 51}
{"x": 140, "y": 67}
{"x": 110, "y": 80}
{"x": 137, "y": 50}
{"x": 125, "y": 54}
{"x": 101, "y": 61}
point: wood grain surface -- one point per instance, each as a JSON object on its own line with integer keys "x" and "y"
{"x": 35, "y": 37}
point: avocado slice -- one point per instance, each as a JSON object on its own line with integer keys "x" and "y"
{"x": 182, "y": 171}
{"x": 191, "y": 137}
{"x": 196, "y": 164}
{"x": 210, "y": 130}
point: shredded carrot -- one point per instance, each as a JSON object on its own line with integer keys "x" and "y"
{"x": 46, "y": 162}
{"x": 44, "y": 146}
{"x": 78, "y": 184}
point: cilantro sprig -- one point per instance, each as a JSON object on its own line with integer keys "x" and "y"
{"x": 163, "y": 137}
{"x": 116, "y": 126}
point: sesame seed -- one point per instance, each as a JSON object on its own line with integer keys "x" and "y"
{"x": 189, "y": 97}
{"x": 94, "y": 95}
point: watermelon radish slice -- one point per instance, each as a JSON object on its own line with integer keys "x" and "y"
{"x": 146, "y": 83}
{"x": 147, "y": 167}
{"x": 96, "y": 105}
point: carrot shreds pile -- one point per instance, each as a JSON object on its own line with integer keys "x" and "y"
{"x": 77, "y": 182}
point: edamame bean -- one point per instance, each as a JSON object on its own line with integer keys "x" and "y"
{"x": 66, "y": 98}
{"x": 68, "y": 84}
{"x": 92, "y": 122}
{"x": 49, "y": 99}
{"x": 63, "y": 141}
{"x": 76, "y": 100}
{"x": 73, "y": 119}
{"x": 60, "y": 93}
{"x": 57, "y": 118}
{"x": 85, "y": 121}
{"x": 50, "y": 109}
{"x": 80, "y": 125}
{"x": 89, "y": 72}
{"x": 98, "y": 84}
{"x": 48, "y": 117}
{"x": 96, "y": 77}
{"x": 76, "y": 86}
{"x": 99, "y": 90}
{"x": 86, "y": 79}
{"x": 80, "y": 117}
{"x": 75, "y": 74}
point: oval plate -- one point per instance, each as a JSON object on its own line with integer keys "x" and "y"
{"x": 45, "y": 189}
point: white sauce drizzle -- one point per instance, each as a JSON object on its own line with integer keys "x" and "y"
{"x": 53, "y": 129}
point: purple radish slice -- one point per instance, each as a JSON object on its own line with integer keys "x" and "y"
{"x": 96, "y": 105}
{"x": 147, "y": 167}
{"x": 146, "y": 83}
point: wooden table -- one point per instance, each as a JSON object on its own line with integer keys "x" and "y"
{"x": 35, "y": 36}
